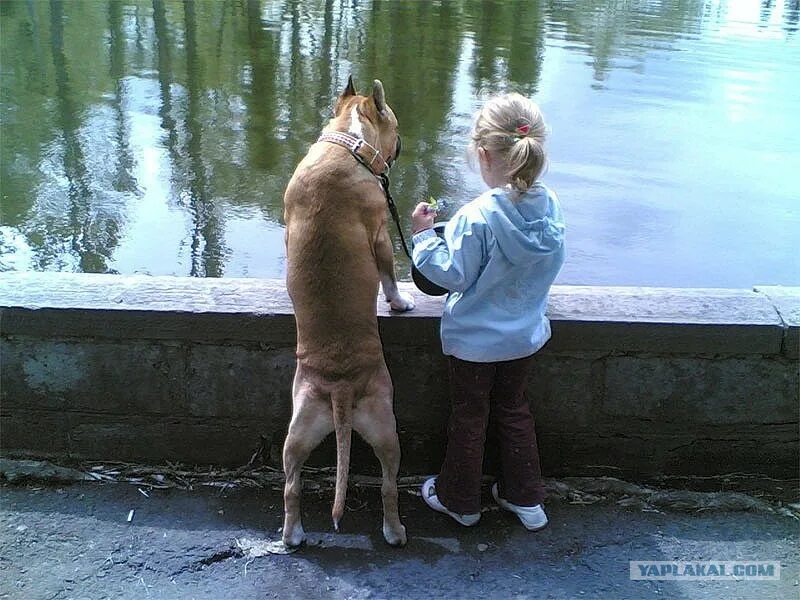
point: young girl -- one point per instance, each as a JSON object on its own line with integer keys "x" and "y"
{"x": 499, "y": 257}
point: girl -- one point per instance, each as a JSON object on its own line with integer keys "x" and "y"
{"x": 499, "y": 257}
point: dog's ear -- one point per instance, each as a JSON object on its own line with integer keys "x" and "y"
{"x": 341, "y": 101}
{"x": 379, "y": 97}
{"x": 350, "y": 90}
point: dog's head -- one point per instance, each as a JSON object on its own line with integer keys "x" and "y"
{"x": 368, "y": 117}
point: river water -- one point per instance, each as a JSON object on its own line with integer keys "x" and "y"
{"x": 157, "y": 136}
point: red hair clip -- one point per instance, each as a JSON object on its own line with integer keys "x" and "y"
{"x": 523, "y": 129}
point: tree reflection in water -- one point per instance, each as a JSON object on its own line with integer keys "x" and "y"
{"x": 234, "y": 91}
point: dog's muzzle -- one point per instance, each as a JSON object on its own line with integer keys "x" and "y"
{"x": 397, "y": 148}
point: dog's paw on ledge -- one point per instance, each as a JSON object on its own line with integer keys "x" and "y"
{"x": 403, "y": 302}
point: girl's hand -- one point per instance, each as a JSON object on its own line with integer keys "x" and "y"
{"x": 422, "y": 217}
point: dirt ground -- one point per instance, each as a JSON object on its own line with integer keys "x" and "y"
{"x": 75, "y": 541}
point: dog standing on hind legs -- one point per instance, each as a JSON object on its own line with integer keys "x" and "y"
{"x": 339, "y": 250}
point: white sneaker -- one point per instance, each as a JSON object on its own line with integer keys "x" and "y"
{"x": 533, "y": 517}
{"x": 432, "y": 500}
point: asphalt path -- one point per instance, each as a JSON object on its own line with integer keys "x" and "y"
{"x": 76, "y": 541}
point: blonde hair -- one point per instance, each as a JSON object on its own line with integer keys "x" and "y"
{"x": 512, "y": 126}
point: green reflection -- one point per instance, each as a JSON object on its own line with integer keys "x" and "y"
{"x": 92, "y": 235}
{"x": 206, "y": 242}
{"x": 613, "y": 29}
{"x": 236, "y": 91}
{"x": 123, "y": 178}
{"x": 261, "y": 95}
{"x": 509, "y": 44}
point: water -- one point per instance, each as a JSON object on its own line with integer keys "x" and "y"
{"x": 157, "y": 136}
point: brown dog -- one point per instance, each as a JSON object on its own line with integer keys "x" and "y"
{"x": 338, "y": 249}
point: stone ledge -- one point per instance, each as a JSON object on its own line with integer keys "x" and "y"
{"x": 652, "y": 381}
{"x": 608, "y": 319}
{"x": 786, "y": 301}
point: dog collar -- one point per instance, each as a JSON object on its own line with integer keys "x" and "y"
{"x": 365, "y": 153}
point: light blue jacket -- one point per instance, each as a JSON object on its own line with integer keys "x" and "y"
{"x": 498, "y": 258}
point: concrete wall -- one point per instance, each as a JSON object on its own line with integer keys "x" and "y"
{"x": 636, "y": 381}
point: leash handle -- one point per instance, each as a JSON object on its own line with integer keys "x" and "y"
{"x": 393, "y": 211}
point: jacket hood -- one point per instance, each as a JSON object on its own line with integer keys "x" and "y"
{"x": 527, "y": 228}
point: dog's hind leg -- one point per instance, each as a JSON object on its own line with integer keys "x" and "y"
{"x": 311, "y": 422}
{"x": 374, "y": 420}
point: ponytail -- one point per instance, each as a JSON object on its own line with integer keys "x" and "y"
{"x": 526, "y": 160}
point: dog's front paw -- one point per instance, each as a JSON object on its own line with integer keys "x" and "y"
{"x": 402, "y": 302}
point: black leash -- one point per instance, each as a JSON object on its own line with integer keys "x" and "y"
{"x": 384, "y": 178}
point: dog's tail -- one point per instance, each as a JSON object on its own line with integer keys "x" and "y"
{"x": 342, "y": 406}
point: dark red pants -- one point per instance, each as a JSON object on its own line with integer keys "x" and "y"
{"x": 480, "y": 392}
